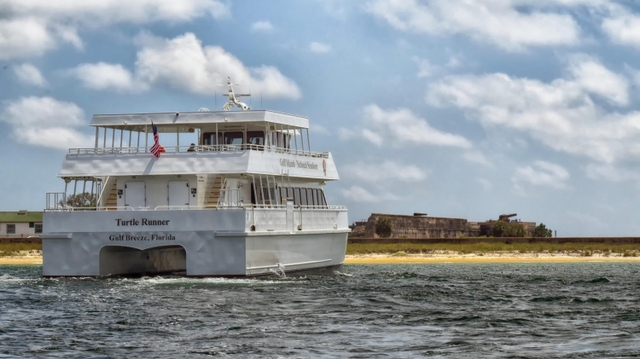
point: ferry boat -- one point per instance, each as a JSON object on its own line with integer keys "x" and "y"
{"x": 246, "y": 198}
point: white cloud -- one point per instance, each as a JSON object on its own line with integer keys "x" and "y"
{"x": 33, "y": 27}
{"x": 425, "y": 68}
{"x": 184, "y": 63}
{"x": 500, "y": 23}
{"x": 24, "y": 37}
{"x": 596, "y": 78}
{"x": 543, "y": 174}
{"x": 610, "y": 173}
{"x": 623, "y": 27}
{"x": 477, "y": 157}
{"x": 385, "y": 171}
{"x": 319, "y": 129}
{"x": 359, "y": 194}
{"x": 560, "y": 114}
{"x": 46, "y": 122}
{"x": 30, "y": 75}
{"x": 454, "y": 62}
{"x": 402, "y": 127}
{"x": 262, "y": 26}
{"x": 346, "y": 134}
{"x": 319, "y": 47}
{"x": 103, "y": 76}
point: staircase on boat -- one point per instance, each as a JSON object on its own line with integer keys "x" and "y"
{"x": 112, "y": 200}
{"x": 214, "y": 186}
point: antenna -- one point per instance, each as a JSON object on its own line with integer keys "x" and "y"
{"x": 233, "y": 97}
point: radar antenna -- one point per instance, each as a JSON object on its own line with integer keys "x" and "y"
{"x": 233, "y": 98}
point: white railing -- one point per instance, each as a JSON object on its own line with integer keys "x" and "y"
{"x": 230, "y": 198}
{"x": 104, "y": 185}
{"x": 275, "y": 219}
{"x": 202, "y": 148}
{"x": 56, "y": 201}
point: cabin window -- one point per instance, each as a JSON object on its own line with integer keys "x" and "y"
{"x": 11, "y": 229}
{"x": 285, "y": 193}
{"x": 265, "y": 192}
{"x": 280, "y": 139}
{"x": 321, "y": 200}
{"x": 296, "y": 196}
{"x": 310, "y": 196}
{"x": 233, "y": 138}
{"x": 303, "y": 196}
{"x": 255, "y": 138}
{"x": 38, "y": 228}
{"x": 209, "y": 138}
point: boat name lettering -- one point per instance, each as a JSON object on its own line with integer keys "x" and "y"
{"x": 301, "y": 164}
{"x": 287, "y": 163}
{"x": 153, "y": 237}
{"x": 142, "y": 222}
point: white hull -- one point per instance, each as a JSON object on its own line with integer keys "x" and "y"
{"x": 217, "y": 242}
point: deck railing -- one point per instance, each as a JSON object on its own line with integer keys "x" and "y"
{"x": 65, "y": 208}
{"x": 196, "y": 149}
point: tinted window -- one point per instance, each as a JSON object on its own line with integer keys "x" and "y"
{"x": 255, "y": 138}
{"x": 296, "y": 196}
{"x": 209, "y": 138}
{"x": 310, "y": 200}
{"x": 233, "y": 138}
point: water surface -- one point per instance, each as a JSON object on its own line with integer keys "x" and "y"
{"x": 551, "y": 310}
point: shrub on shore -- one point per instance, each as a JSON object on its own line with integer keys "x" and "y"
{"x": 15, "y": 249}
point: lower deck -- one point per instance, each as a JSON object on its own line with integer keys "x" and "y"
{"x": 218, "y": 242}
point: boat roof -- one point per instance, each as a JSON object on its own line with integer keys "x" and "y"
{"x": 195, "y": 118}
{"x": 21, "y": 216}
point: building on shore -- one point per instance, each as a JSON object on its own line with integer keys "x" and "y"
{"x": 20, "y": 224}
{"x": 420, "y": 225}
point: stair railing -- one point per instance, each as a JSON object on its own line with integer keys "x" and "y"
{"x": 105, "y": 186}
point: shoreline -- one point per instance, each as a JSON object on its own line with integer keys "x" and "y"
{"x": 443, "y": 257}
{"x": 498, "y": 257}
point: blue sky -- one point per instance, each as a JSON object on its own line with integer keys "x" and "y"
{"x": 449, "y": 107}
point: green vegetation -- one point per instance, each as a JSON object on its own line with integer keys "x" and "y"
{"x": 383, "y": 227}
{"x": 14, "y": 249}
{"x": 84, "y": 199}
{"x": 542, "y": 231}
{"x": 508, "y": 229}
{"x": 586, "y": 249}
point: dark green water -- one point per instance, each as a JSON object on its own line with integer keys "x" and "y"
{"x": 585, "y": 310}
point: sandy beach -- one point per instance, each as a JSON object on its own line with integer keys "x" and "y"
{"x": 495, "y": 257}
{"x": 35, "y": 257}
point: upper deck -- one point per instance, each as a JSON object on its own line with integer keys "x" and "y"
{"x": 141, "y": 122}
{"x": 263, "y": 142}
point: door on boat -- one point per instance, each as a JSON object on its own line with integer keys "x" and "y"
{"x": 178, "y": 193}
{"x": 135, "y": 194}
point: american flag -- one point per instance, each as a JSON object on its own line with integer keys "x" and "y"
{"x": 155, "y": 149}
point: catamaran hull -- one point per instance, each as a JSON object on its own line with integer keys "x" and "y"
{"x": 97, "y": 244}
